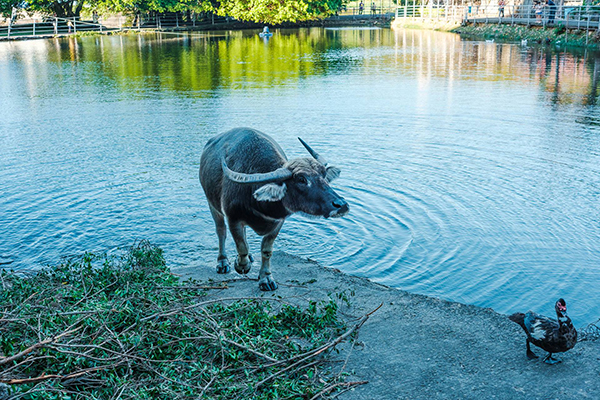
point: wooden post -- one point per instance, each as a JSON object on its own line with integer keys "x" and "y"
{"x": 74, "y": 25}
{"x": 567, "y": 30}
{"x": 587, "y": 31}
{"x": 512, "y": 16}
{"x": 10, "y": 22}
{"x": 588, "y": 26}
{"x": 544, "y": 18}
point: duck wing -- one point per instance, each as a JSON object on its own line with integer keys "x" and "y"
{"x": 540, "y": 328}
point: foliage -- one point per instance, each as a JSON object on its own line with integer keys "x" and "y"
{"x": 533, "y": 35}
{"x": 590, "y": 331}
{"x": 266, "y": 11}
{"x": 159, "y": 6}
{"x": 59, "y": 8}
{"x": 276, "y": 11}
{"x": 6, "y": 7}
{"x": 106, "y": 327}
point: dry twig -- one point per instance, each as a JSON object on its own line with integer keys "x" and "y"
{"x": 336, "y": 385}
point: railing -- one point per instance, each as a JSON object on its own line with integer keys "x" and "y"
{"x": 572, "y": 17}
{"x": 49, "y": 26}
{"x": 53, "y": 26}
{"x": 365, "y": 12}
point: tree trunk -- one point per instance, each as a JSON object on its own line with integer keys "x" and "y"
{"x": 66, "y": 10}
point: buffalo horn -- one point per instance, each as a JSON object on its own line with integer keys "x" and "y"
{"x": 313, "y": 153}
{"x": 280, "y": 174}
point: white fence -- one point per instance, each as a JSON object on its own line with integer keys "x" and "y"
{"x": 49, "y": 26}
{"x": 572, "y": 17}
{"x": 53, "y": 26}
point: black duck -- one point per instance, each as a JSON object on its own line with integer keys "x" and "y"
{"x": 554, "y": 336}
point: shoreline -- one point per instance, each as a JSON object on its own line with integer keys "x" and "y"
{"x": 558, "y": 36}
{"x": 421, "y": 347}
{"x": 534, "y": 35}
{"x": 234, "y": 25}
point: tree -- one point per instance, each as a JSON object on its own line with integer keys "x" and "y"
{"x": 133, "y": 6}
{"x": 266, "y": 11}
{"x": 60, "y": 8}
{"x": 278, "y": 11}
{"x": 6, "y": 7}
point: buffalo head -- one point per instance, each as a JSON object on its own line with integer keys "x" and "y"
{"x": 302, "y": 185}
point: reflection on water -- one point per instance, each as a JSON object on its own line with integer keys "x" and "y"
{"x": 472, "y": 168}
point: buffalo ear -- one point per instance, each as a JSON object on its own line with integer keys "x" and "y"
{"x": 332, "y": 173}
{"x": 270, "y": 192}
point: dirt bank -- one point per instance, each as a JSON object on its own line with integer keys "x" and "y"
{"x": 557, "y": 36}
{"x": 418, "y": 347}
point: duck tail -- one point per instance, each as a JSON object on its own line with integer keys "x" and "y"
{"x": 519, "y": 318}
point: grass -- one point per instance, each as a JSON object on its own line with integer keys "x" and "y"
{"x": 555, "y": 35}
{"x": 99, "y": 327}
{"x": 590, "y": 331}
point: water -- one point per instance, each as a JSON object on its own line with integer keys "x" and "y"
{"x": 472, "y": 168}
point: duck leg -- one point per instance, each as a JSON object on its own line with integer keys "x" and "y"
{"x": 530, "y": 353}
{"x": 549, "y": 360}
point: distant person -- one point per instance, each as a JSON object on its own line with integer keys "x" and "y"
{"x": 501, "y": 5}
{"x": 551, "y": 11}
{"x": 95, "y": 17}
{"x": 361, "y": 7}
{"x": 539, "y": 10}
{"x": 373, "y": 8}
{"x": 70, "y": 25}
{"x": 266, "y": 30}
{"x": 55, "y": 23}
{"x": 137, "y": 20}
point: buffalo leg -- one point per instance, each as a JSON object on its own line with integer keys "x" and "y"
{"x": 243, "y": 263}
{"x": 265, "y": 279}
{"x": 223, "y": 266}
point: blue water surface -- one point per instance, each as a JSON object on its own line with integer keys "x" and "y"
{"x": 472, "y": 168}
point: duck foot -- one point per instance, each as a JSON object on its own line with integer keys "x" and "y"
{"x": 531, "y": 355}
{"x": 549, "y": 360}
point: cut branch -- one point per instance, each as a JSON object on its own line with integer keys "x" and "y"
{"x": 36, "y": 346}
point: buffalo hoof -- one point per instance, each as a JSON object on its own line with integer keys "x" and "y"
{"x": 267, "y": 284}
{"x": 223, "y": 266}
{"x": 243, "y": 269}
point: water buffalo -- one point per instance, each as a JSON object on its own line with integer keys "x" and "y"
{"x": 249, "y": 181}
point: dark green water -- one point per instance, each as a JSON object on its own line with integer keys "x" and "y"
{"x": 472, "y": 168}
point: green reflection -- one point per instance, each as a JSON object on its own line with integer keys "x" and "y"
{"x": 197, "y": 64}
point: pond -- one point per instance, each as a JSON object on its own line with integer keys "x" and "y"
{"x": 472, "y": 169}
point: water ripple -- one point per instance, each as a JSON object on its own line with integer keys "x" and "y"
{"x": 472, "y": 170}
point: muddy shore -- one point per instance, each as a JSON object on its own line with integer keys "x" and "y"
{"x": 419, "y": 347}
